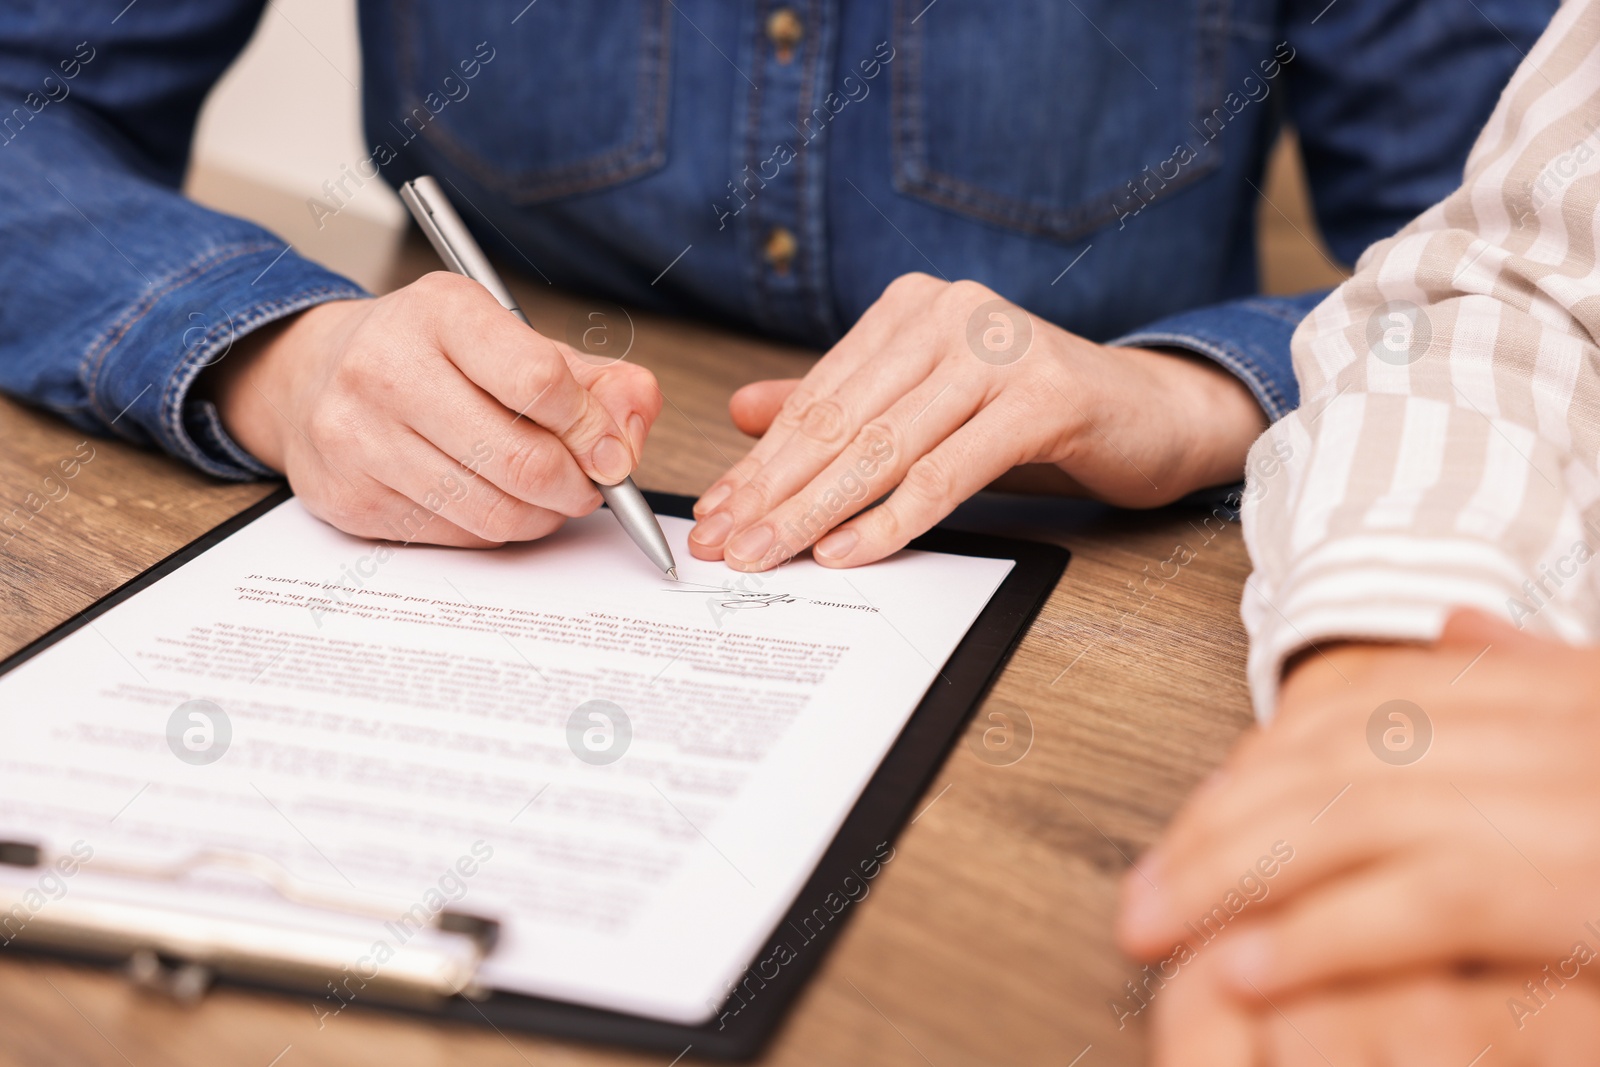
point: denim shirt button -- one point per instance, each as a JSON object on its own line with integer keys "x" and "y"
{"x": 780, "y": 249}
{"x": 784, "y": 30}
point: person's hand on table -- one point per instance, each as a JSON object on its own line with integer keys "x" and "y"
{"x": 1449, "y": 1016}
{"x": 936, "y": 392}
{"x": 1437, "y": 854}
{"x": 436, "y": 398}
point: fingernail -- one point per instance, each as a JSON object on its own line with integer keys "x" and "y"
{"x": 837, "y": 545}
{"x": 1246, "y": 958}
{"x": 712, "y": 531}
{"x": 714, "y": 496}
{"x": 636, "y": 433}
{"x": 611, "y": 460}
{"x": 748, "y": 546}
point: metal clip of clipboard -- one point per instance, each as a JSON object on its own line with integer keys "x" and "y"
{"x": 179, "y": 952}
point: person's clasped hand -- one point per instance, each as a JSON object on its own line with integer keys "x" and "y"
{"x": 938, "y": 390}
{"x": 434, "y": 414}
{"x": 1442, "y": 805}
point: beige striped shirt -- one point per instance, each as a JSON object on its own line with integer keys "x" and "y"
{"x": 1445, "y": 453}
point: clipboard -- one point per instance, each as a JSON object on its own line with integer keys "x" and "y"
{"x": 163, "y": 952}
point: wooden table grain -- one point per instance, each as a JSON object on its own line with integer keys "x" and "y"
{"x": 985, "y": 941}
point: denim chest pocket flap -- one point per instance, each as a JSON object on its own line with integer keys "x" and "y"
{"x": 1037, "y": 115}
{"x": 570, "y": 102}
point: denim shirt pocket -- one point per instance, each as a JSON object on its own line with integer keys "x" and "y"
{"x": 575, "y": 103}
{"x": 1054, "y": 118}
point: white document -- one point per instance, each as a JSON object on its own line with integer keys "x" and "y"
{"x": 394, "y": 717}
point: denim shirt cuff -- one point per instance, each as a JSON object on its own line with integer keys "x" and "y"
{"x": 139, "y": 372}
{"x": 1249, "y": 338}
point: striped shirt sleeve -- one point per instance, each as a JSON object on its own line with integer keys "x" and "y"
{"x": 1445, "y": 451}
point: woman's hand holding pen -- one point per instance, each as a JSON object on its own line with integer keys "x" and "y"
{"x": 431, "y": 414}
{"x": 940, "y": 389}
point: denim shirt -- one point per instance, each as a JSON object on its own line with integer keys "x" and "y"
{"x": 1097, "y": 162}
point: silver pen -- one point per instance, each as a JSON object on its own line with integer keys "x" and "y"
{"x": 451, "y": 239}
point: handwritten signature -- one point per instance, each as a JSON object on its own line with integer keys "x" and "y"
{"x": 735, "y": 599}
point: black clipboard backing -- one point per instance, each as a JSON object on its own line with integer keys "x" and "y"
{"x": 753, "y": 1013}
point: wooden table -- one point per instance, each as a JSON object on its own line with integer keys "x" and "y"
{"x": 987, "y": 939}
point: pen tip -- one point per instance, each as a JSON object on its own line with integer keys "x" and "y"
{"x": 672, "y": 572}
